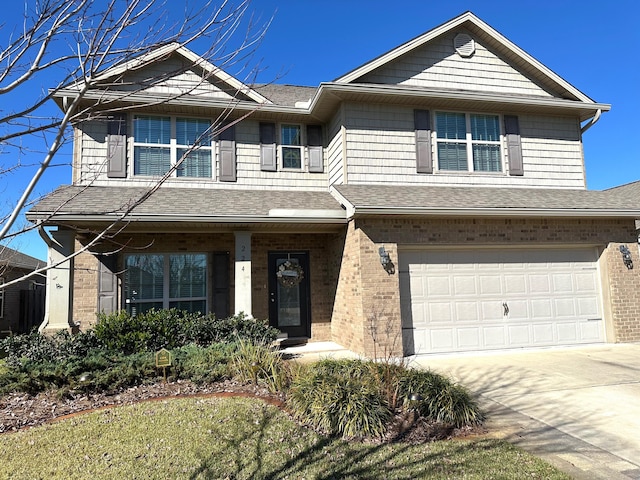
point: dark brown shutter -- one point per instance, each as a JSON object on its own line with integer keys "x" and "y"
{"x": 514, "y": 145}
{"x": 227, "y": 146}
{"x": 314, "y": 142}
{"x": 220, "y": 283}
{"x": 117, "y": 147}
{"x": 107, "y": 284}
{"x": 268, "y": 147}
{"x": 424, "y": 160}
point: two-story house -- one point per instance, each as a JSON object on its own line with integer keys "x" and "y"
{"x": 431, "y": 200}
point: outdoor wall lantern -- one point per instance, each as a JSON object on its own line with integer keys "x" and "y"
{"x": 626, "y": 257}
{"x": 385, "y": 260}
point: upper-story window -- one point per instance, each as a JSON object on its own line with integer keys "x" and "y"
{"x": 468, "y": 142}
{"x": 291, "y": 141}
{"x": 160, "y": 142}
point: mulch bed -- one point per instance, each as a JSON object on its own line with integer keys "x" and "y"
{"x": 21, "y": 410}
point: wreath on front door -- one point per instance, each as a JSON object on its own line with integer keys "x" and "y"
{"x": 289, "y": 274}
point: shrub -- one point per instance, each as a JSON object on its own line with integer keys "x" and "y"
{"x": 36, "y": 347}
{"x": 156, "y": 329}
{"x": 340, "y": 397}
{"x": 260, "y": 365}
{"x": 203, "y": 364}
{"x": 442, "y": 400}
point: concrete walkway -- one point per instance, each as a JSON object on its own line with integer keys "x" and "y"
{"x": 578, "y": 408}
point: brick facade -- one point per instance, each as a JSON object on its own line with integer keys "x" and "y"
{"x": 356, "y": 303}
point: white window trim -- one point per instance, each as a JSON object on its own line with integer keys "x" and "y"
{"x": 469, "y": 142}
{"x": 173, "y": 147}
{"x": 302, "y": 147}
{"x": 166, "y": 288}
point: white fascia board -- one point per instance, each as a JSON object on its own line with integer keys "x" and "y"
{"x": 457, "y": 95}
{"x": 108, "y": 218}
{"x": 498, "y": 212}
{"x": 348, "y": 206}
{"x": 450, "y": 25}
{"x": 192, "y": 57}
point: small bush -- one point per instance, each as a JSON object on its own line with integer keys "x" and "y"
{"x": 260, "y": 365}
{"x": 340, "y": 397}
{"x": 203, "y": 364}
{"x": 442, "y": 400}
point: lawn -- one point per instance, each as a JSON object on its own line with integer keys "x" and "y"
{"x": 198, "y": 438}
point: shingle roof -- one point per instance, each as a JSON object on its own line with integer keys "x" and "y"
{"x": 180, "y": 202}
{"x": 421, "y": 198}
{"x": 14, "y": 258}
{"x": 285, "y": 95}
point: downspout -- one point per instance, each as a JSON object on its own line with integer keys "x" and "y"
{"x": 591, "y": 122}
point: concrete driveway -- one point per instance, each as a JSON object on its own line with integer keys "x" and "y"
{"x": 579, "y": 407}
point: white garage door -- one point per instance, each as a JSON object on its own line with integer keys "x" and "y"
{"x": 466, "y": 300}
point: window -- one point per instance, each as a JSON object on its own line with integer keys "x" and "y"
{"x": 160, "y": 142}
{"x": 291, "y": 141}
{"x": 1, "y": 298}
{"x": 166, "y": 281}
{"x": 460, "y": 137}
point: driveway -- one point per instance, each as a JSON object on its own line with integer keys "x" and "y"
{"x": 579, "y": 407}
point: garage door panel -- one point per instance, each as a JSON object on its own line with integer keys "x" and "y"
{"x": 442, "y": 339}
{"x": 539, "y": 283}
{"x": 518, "y": 310}
{"x": 465, "y": 285}
{"x": 490, "y": 285}
{"x": 467, "y": 312}
{"x": 568, "y": 332}
{"x": 587, "y": 307}
{"x": 468, "y": 338}
{"x": 515, "y": 284}
{"x": 518, "y": 335}
{"x": 543, "y": 334}
{"x": 494, "y": 337}
{"x": 440, "y": 313}
{"x": 438, "y": 285}
{"x": 491, "y": 310}
{"x": 541, "y": 308}
{"x": 550, "y": 293}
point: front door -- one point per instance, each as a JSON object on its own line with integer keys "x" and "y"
{"x": 289, "y": 293}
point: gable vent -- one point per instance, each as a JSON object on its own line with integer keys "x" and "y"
{"x": 464, "y": 45}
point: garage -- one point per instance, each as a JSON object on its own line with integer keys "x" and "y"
{"x": 456, "y": 300}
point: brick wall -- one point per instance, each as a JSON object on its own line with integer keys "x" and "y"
{"x": 624, "y": 285}
{"x": 324, "y": 249}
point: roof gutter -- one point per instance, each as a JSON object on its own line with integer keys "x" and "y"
{"x": 591, "y": 122}
{"x": 495, "y": 212}
{"x": 278, "y": 216}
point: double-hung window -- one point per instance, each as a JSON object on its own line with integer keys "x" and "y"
{"x": 468, "y": 142}
{"x": 166, "y": 281}
{"x": 160, "y": 143}
{"x": 291, "y": 145}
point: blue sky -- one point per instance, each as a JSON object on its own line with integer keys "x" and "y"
{"x": 593, "y": 45}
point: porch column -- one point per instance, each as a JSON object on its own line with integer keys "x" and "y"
{"x": 243, "y": 273}
{"x": 59, "y": 282}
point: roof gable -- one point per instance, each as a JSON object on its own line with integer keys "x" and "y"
{"x": 428, "y": 47}
{"x": 175, "y": 70}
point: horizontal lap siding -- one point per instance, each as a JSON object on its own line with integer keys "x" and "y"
{"x": 334, "y": 150}
{"x": 437, "y": 65}
{"x": 381, "y": 150}
{"x": 94, "y": 152}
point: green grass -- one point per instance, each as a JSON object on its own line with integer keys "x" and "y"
{"x": 238, "y": 438}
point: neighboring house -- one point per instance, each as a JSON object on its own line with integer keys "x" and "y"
{"x": 431, "y": 200}
{"x": 21, "y": 304}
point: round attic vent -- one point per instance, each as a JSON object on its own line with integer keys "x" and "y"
{"x": 464, "y": 45}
